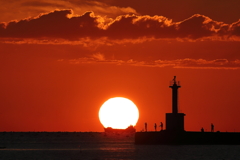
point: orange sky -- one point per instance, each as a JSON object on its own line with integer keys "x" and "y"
{"x": 60, "y": 60}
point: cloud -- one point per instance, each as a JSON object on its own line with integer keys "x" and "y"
{"x": 235, "y": 29}
{"x": 22, "y": 9}
{"x": 101, "y": 8}
{"x": 133, "y": 26}
{"x": 178, "y": 63}
{"x": 56, "y": 24}
{"x": 98, "y": 56}
{"x": 198, "y": 63}
{"x": 197, "y": 26}
{"x": 65, "y": 25}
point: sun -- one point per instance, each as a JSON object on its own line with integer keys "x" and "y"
{"x": 118, "y": 113}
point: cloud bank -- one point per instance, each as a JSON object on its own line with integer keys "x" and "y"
{"x": 64, "y": 25}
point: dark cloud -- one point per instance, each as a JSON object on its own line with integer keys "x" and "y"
{"x": 63, "y": 24}
{"x": 220, "y": 10}
{"x": 17, "y": 10}
{"x": 235, "y": 28}
{"x": 132, "y": 26}
{"x": 197, "y": 26}
{"x": 57, "y": 24}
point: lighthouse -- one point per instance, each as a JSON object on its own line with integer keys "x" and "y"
{"x": 175, "y": 120}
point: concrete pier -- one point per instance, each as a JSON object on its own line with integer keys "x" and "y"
{"x": 175, "y": 133}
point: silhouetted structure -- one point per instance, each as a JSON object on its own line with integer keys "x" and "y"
{"x": 175, "y": 120}
{"x": 175, "y": 133}
{"x": 155, "y": 127}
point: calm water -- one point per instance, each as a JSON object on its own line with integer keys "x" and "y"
{"x": 98, "y": 146}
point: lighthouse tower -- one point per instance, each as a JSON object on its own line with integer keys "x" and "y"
{"x": 175, "y": 120}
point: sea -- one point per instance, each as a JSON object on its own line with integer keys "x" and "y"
{"x": 102, "y": 146}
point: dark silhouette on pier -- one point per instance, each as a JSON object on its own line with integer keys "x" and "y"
{"x": 175, "y": 132}
{"x": 161, "y": 126}
{"x": 212, "y": 127}
{"x": 155, "y": 127}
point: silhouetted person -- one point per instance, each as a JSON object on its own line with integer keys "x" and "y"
{"x": 155, "y": 127}
{"x": 202, "y": 129}
{"x": 146, "y": 127}
{"x": 174, "y": 79}
{"x": 212, "y": 127}
{"x": 161, "y": 126}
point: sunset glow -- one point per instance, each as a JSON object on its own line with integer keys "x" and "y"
{"x": 60, "y": 60}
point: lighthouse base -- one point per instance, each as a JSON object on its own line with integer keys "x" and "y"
{"x": 175, "y": 121}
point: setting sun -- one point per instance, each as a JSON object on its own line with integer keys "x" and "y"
{"x": 118, "y": 113}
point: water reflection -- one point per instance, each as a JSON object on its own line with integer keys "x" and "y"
{"x": 96, "y": 146}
